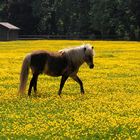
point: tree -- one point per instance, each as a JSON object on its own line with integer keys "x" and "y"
{"x": 21, "y": 14}
{"x": 135, "y": 8}
{"x": 106, "y": 18}
{"x": 113, "y": 18}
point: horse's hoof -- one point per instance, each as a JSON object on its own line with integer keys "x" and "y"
{"x": 59, "y": 94}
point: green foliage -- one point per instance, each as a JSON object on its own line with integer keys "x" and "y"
{"x": 104, "y": 18}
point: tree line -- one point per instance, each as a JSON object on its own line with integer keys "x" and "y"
{"x": 100, "y": 19}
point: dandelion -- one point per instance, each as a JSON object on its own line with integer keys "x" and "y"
{"x": 108, "y": 110}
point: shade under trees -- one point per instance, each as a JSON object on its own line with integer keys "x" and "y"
{"x": 100, "y": 19}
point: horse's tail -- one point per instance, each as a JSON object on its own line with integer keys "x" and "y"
{"x": 24, "y": 73}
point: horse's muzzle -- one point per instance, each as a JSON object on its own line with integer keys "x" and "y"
{"x": 91, "y": 66}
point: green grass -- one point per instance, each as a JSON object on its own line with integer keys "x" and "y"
{"x": 110, "y": 108}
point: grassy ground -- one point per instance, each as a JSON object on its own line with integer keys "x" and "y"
{"x": 110, "y": 108}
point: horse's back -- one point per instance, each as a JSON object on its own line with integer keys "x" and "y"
{"x": 52, "y": 64}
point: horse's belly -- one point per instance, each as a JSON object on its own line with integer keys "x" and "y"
{"x": 55, "y": 67}
{"x": 54, "y": 72}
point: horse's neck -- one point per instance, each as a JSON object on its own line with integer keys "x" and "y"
{"x": 76, "y": 58}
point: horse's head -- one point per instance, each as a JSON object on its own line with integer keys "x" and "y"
{"x": 88, "y": 55}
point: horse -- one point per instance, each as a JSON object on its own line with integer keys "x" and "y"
{"x": 65, "y": 63}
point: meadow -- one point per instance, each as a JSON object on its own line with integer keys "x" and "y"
{"x": 109, "y": 110}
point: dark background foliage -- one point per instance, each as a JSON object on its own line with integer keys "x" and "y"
{"x": 108, "y": 19}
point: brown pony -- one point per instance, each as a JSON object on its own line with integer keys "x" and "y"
{"x": 64, "y": 63}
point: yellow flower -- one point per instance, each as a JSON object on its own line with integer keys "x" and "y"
{"x": 108, "y": 110}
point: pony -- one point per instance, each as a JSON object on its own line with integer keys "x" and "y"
{"x": 65, "y": 63}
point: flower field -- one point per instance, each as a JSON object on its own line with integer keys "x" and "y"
{"x": 109, "y": 110}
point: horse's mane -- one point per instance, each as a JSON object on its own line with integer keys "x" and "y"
{"x": 75, "y": 54}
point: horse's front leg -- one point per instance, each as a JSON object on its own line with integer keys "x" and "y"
{"x": 63, "y": 80}
{"x": 78, "y": 80}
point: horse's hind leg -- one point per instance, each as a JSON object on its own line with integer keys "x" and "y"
{"x": 78, "y": 80}
{"x": 33, "y": 83}
{"x": 30, "y": 86}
